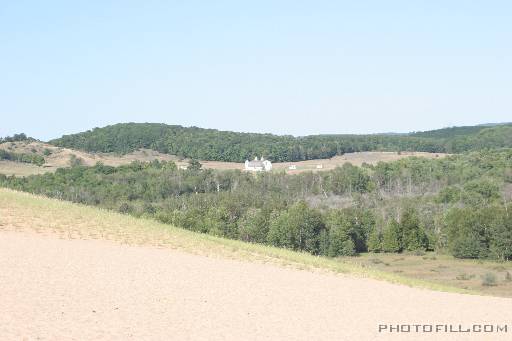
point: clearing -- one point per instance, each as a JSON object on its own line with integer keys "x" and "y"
{"x": 60, "y": 157}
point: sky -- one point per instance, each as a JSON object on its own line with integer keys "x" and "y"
{"x": 279, "y": 66}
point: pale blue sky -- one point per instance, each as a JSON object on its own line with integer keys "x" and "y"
{"x": 294, "y": 67}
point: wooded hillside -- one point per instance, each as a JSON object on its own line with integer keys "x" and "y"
{"x": 459, "y": 204}
{"x": 215, "y": 145}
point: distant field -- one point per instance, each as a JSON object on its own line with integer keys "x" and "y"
{"x": 60, "y": 157}
{"x": 357, "y": 159}
{"x": 21, "y": 169}
{"x": 25, "y": 212}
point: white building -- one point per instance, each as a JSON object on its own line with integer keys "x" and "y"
{"x": 292, "y": 167}
{"x": 258, "y": 165}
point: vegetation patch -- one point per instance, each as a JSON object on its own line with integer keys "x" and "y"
{"x": 211, "y": 144}
{"x": 489, "y": 279}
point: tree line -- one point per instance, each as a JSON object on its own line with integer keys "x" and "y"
{"x": 16, "y": 138}
{"x": 459, "y": 204}
{"x": 211, "y": 144}
{"x": 22, "y": 157}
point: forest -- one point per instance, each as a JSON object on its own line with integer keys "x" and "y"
{"x": 457, "y": 205}
{"x": 215, "y": 145}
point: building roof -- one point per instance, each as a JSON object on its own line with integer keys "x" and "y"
{"x": 255, "y": 163}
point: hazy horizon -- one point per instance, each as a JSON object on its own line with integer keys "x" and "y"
{"x": 264, "y": 132}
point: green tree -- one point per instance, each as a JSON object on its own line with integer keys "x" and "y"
{"x": 375, "y": 241}
{"x": 392, "y": 237}
{"x": 414, "y": 236}
{"x": 297, "y": 228}
{"x": 466, "y": 233}
{"x": 254, "y": 225}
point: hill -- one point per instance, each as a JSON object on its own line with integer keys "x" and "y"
{"x": 215, "y": 145}
{"x": 27, "y": 157}
{"x": 452, "y": 132}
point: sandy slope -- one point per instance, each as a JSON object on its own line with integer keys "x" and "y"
{"x": 55, "y": 289}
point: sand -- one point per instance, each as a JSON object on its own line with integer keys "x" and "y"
{"x": 57, "y": 289}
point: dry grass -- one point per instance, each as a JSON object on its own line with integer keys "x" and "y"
{"x": 443, "y": 269}
{"x": 357, "y": 159}
{"x": 60, "y": 157}
{"x": 20, "y": 169}
{"x": 25, "y": 212}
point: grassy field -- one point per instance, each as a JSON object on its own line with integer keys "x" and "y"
{"x": 487, "y": 277}
{"x": 59, "y": 157}
{"x": 357, "y": 159}
{"x": 22, "y": 169}
{"x": 56, "y": 157}
{"x": 25, "y": 212}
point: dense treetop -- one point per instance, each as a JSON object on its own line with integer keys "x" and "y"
{"x": 211, "y": 144}
{"x": 451, "y": 132}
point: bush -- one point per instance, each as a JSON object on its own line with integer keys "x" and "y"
{"x": 348, "y": 248}
{"x": 489, "y": 279}
{"x": 75, "y": 161}
{"x": 125, "y": 208}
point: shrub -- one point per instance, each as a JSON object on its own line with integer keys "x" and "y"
{"x": 348, "y": 248}
{"x": 125, "y": 208}
{"x": 489, "y": 279}
{"x": 75, "y": 161}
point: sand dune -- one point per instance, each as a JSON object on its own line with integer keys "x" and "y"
{"x": 56, "y": 289}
